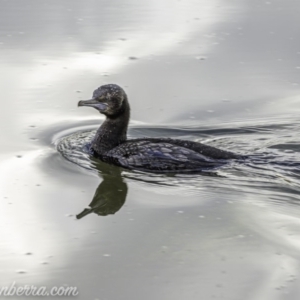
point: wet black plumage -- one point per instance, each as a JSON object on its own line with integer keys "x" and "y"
{"x": 163, "y": 155}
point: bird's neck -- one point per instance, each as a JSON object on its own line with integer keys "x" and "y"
{"x": 111, "y": 133}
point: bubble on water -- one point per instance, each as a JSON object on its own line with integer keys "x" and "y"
{"x": 106, "y": 255}
{"x": 201, "y": 217}
{"x": 180, "y": 211}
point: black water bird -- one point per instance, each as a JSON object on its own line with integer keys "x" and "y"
{"x": 159, "y": 155}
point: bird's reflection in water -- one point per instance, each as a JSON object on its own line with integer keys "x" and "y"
{"x": 110, "y": 194}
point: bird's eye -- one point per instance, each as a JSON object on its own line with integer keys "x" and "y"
{"x": 101, "y": 98}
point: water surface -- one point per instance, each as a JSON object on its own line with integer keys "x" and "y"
{"x": 226, "y": 74}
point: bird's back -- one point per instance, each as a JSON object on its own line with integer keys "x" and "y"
{"x": 167, "y": 155}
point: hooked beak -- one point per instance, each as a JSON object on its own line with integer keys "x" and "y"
{"x": 93, "y": 103}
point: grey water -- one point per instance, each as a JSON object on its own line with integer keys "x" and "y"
{"x": 223, "y": 73}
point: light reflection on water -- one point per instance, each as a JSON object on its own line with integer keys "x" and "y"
{"x": 226, "y": 74}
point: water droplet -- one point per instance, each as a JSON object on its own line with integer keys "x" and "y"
{"x": 132, "y": 58}
{"x": 45, "y": 263}
{"x": 28, "y": 253}
{"x": 202, "y": 217}
{"x": 21, "y": 271}
{"x": 106, "y": 255}
{"x": 19, "y": 156}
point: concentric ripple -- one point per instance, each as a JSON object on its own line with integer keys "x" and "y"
{"x": 273, "y": 165}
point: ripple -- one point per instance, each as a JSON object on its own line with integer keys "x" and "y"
{"x": 269, "y": 170}
{"x": 73, "y": 148}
